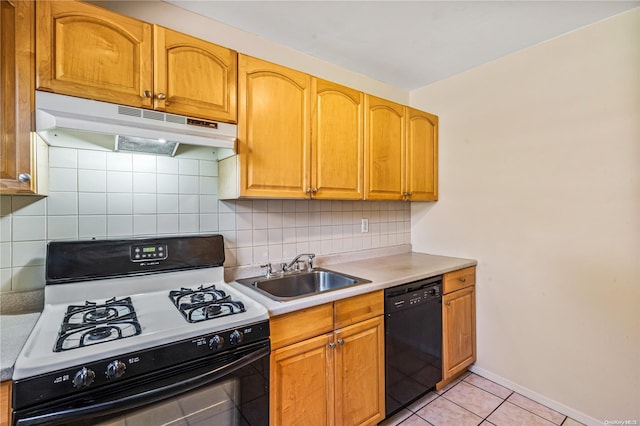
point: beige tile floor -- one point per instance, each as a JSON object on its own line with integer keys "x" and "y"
{"x": 473, "y": 400}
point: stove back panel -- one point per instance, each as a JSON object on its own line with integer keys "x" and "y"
{"x": 72, "y": 261}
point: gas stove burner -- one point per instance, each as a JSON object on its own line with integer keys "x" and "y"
{"x": 99, "y": 333}
{"x": 101, "y": 314}
{"x": 93, "y": 313}
{"x": 93, "y": 323}
{"x": 204, "y": 303}
{"x": 212, "y": 310}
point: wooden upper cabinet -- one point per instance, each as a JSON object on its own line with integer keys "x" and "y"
{"x": 273, "y": 129}
{"x": 17, "y": 168}
{"x": 90, "y": 52}
{"x": 385, "y": 128}
{"x": 194, "y": 77}
{"x": 421, "y": 156}
{"x": 337, "y": 142}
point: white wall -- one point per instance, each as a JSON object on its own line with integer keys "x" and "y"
{"x": 540, "y": 181}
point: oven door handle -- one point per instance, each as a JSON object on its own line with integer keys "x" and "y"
{"x": 147, "y": 397}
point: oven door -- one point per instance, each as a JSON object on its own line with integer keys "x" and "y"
{"x": 227, "y": 390}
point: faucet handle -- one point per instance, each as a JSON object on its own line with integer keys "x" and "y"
{"x": 269, "y": 269}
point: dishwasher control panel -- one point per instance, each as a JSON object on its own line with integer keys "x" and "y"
{"x": 413, "y": 294}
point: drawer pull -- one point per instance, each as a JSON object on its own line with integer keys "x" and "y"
{"x": 463, "y": 279}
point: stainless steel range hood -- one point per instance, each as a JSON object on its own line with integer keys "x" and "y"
{"x": 136, "y": 127}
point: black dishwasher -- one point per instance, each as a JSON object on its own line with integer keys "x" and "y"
{"x": 413, "y": 341}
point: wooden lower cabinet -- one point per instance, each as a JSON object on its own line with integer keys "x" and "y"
{"x": 5, "y": 403}
{"x": 458, "y": 324}
{"x": 336, "y": 377}
{"x": 302, "y": 383}
{"x": 359, "y": 373}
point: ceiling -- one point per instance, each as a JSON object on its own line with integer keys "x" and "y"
{"x": 408, "y": 44}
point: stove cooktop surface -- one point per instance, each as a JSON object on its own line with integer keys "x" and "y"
{"x": 165, "y": 307}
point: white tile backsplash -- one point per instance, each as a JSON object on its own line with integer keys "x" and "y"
{"x": 62, "y": 227}
{"x": 62, "y": 179}
{"x": 119, "y": 225}
{"x": 188, "y": 166}
{"x": 97, "y": 194}
{"x": 119, "y": 181}
{"x": 92, "y": 180}
{"x": 28, "y": 253}
{"x": 119, "y": 161}
{"x": 144, "y": 182}
{"x": 167, "y": 184}
{"x": 144, "y": 163}
{"x": 119, "y": 204}
{"x": 168, "y": 224}
{"x": 144, "y": 224}
{"x": 92, "y": 160}
{"x": 92, "y": 203}
{"x": 92, "y": 226}
{"x": 62, "y": 203}
{"x": 63, "y": 157}
{"x": 145, "y": 204}
{"x": 29, "y": 228}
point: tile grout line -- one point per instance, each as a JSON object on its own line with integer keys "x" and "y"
{"x": 494, "y": 394}
{"x": 496, "y": 409}
{"x": 536, "y": 414}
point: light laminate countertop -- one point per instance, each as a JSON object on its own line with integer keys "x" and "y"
{"x": 383, "y": 272}
{"x": 14, "y": 330}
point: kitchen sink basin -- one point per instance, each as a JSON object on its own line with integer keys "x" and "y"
{"x": 300, "y": 284}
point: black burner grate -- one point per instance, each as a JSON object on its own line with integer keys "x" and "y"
{"x": 204, "y": 303}
{"x": 93, "y": 323}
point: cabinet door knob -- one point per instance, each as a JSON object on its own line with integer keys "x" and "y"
{"x": 308, "y": 191}
{"x": 447, "y": 303}
{"x": 24, "y": 177}
{"x": 340, "y": 342}
{"x": 161, "y": 96}
{"x": 147, "y": 93}
{"x": 332, "y": 345}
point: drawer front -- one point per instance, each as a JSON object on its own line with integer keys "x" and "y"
{"x": 456, "y": 280}
{"x": 358, "y": 308}
{"x": 300, "y": 325}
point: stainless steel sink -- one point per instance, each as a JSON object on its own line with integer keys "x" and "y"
{"x": 300, "y": 284}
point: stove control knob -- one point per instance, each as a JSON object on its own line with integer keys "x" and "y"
{"x": 115, "y": 369}
{"x": 236, "y": 337}
{"x": 216, "y": 342}
{"x": 83, "y": 378}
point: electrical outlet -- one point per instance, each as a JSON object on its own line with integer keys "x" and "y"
{"x": 364, "y": 225}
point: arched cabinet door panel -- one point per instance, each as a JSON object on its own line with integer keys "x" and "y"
{"x": 422, "y": 156}
{"x": 90, "y": 52}
{"x": 337, "y": 142}
{"x": 194, "y": 77}
{"x": 384, "y": 149}
{"x": 273, "y": 129}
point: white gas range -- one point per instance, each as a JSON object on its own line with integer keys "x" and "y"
{"x": 121, "y": 316}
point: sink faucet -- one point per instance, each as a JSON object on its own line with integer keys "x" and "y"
{"x": 269, "y": 270}
{"x": 310, "y": 256}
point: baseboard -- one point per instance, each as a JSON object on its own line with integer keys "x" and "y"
{"x": 568, "y": 411}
